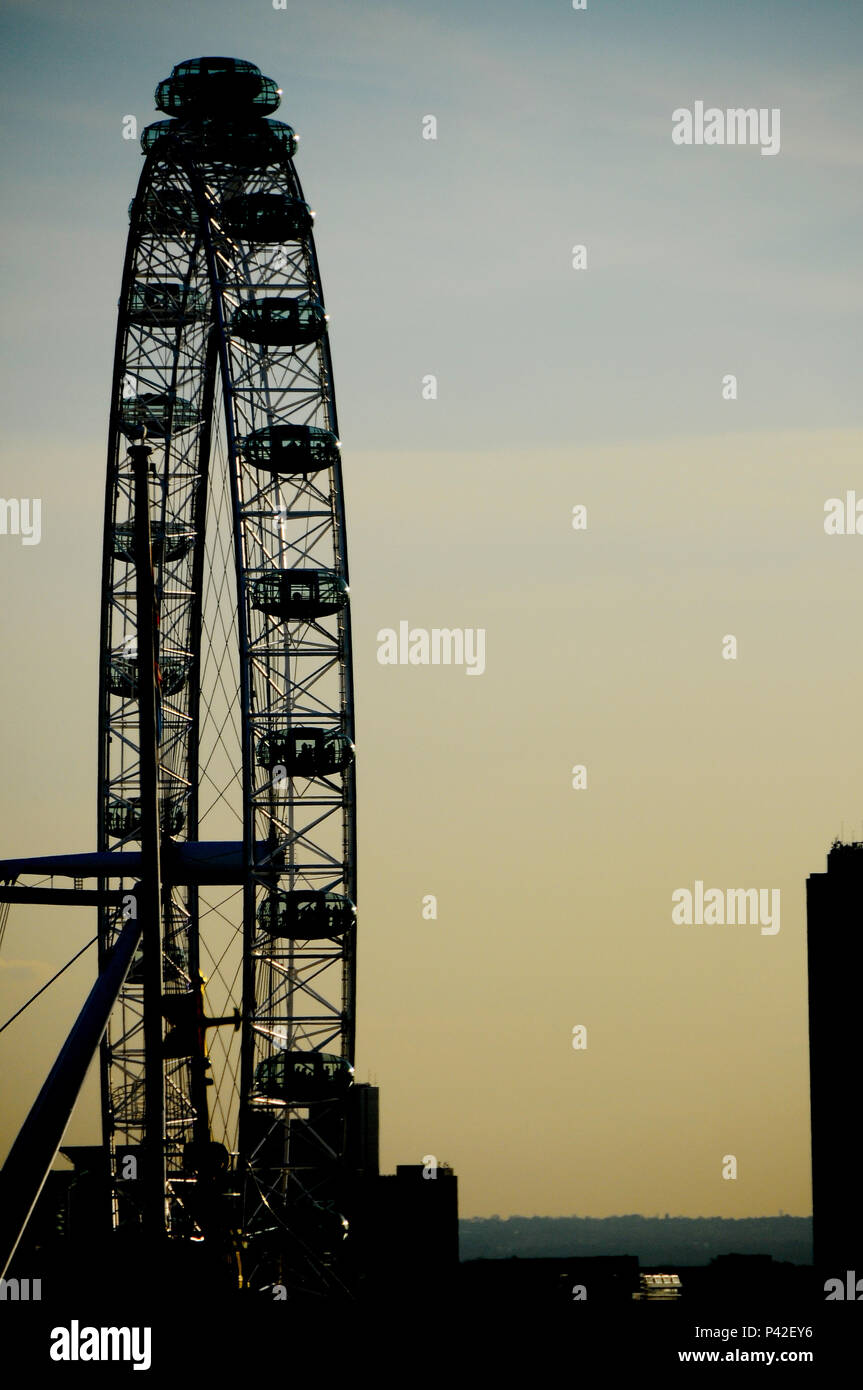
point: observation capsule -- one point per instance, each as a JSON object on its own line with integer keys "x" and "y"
{"x": 284, "y": 449}
{"x": 280, "y": 322}
{"x": 301, "y": 593}
{"x": 166, "y": 305}
{"x": 266, "y": 217}
{"x": 217, "y": 87}
{"x": 244, "y": 146}
{"x": 305, "y": 752}
{"x": 302, "y": 1078}
{"x": 305, "y": 916}
{"x": 169, "y": 541}
{"x": 123, "y": 675}
{"x": 160, "y": 413}
{"x": 123, "y": 818}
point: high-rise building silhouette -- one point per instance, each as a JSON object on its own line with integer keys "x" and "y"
{"x": 834, "y": 904}
{"x": 403, "y": 1226}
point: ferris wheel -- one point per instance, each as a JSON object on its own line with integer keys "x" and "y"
{"x": 226, "y": 788}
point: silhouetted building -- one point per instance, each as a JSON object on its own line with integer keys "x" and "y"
{"x": 403, "y": 1226}
{"x": 363, "y": 1148}
{"x": 405, "y": 1231}
{"x": 88, "y": 1211}
{"x": 418, "y": 1215}
{"x": 834, "y": 903}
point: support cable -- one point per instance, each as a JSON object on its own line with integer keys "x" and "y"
{"x": 35, "y": 996}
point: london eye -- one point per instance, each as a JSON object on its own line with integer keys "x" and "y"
{"x": 226, "y": 788}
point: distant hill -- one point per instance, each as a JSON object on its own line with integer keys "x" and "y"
{"x": 672, "y": 1240}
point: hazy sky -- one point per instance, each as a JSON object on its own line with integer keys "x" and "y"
{"x": 556, "y": 386}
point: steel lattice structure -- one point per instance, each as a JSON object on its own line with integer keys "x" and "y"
{"x": 222, "y": 370}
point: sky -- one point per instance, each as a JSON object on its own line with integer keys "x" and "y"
{"x": 556, "y": 387}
